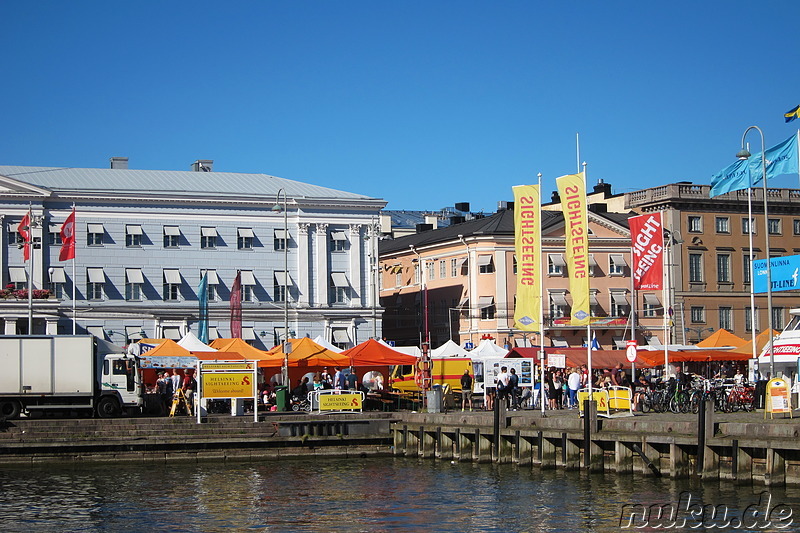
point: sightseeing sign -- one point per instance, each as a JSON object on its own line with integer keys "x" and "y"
{"x": 234, "y": 380}
{"x": 647, "y": 245}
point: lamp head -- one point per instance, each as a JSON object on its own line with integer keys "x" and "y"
{"x": 277, "y": 208}
{"x": 744, "y": 153}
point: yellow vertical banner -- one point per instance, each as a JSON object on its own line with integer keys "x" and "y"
{"x": 572, "y": 189}
{"x": 528, "y": 247}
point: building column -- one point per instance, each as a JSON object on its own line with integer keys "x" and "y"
{"x": 322, "y": 276}
{"x": 303, "y": 265}
{"x": 355, "y": 249}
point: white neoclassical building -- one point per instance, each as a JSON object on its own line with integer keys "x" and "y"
{"x": 146, "y": 237}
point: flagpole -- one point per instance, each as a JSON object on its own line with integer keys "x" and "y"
{"x": 665, "y": 296}
{"x": 30, "y": 274}
{"x": 752, "y": 271}
{"x": 541, "y": 303}
{"x": 74, "y": 306}
{"x": 589, "y": 323}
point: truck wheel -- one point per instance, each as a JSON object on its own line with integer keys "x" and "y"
{"x": 10, "y": 409}
{"x": 108, "y": 407}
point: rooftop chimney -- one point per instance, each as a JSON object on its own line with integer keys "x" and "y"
{"x": 119, "y": 162}
{"x": 602, "y": 187}
{"x": 203, "y": 165}
{"x": 462, "y": 206}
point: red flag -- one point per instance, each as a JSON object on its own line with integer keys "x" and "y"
{"x": 24, "y": 229}
{"x": 236, "y": 306}
{"x": 68, "y": 238}
{"x": 647, "y": 245}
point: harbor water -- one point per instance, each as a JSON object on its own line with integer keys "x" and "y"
{"x": 372, "y": 495}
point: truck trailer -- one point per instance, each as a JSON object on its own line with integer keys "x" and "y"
{"x": 66, "y": 373}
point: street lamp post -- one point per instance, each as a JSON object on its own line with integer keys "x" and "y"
{"x": 744, "y": 153}
{"x": 285, "y": 208}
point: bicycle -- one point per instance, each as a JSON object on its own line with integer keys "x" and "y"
{"x": 740, "y": 397}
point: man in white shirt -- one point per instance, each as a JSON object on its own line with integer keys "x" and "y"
{"x": 573, "y": 384}
{"x": 502, "y": 385}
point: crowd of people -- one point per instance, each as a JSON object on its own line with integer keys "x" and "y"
{"x": 171, "y": 384}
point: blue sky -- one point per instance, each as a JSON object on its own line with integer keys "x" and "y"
{"x": 421, "y": 103}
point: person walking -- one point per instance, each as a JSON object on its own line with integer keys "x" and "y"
{"x": 513, "y": 388}
{"x": 466, "y": 390}
{"x": 574, "y": 383}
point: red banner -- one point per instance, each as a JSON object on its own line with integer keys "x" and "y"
{"x": 68, "y": 238}
{"x": 647, "y": 248}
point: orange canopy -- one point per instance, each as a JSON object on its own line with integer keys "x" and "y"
{"x": 761, "y": 340}
{"x": 721, "y": 337}
{"x": 374, "y": 353}
{"x": 305, "y": 352}
{"x": 168, "y": 348}
{"x": 600, "y": 358}
{"x": 265, "y": 359}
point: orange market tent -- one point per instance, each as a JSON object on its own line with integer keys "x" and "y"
{"x": 600, "y": 358}
{"x": 265, "y": 359}
{"x": 721, "y": 337}
{"x": 761, "y": 340}
{"x": 374, "y": 353}
{"x": 305, "y": 353}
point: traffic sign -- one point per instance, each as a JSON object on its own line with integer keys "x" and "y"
{"x": 630, "y": 350}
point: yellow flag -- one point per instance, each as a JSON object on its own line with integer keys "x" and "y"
{"x": 528, "y": 246}
{"x": 572, "y": 189}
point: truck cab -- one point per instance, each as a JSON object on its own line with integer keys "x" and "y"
{"x": 120, "y": 384}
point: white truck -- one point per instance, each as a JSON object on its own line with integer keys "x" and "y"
{"x": 41, "y": 373}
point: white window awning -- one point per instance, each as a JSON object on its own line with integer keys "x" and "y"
{"x": 213, "y": 279}
{"x": 485, "y": 301}
{"x": 619, "y": 298}
{"x": 134, "y": 275}
{"x": 172, "y": 276}
{"x": 462, "y": 261}
{"x": 283, "y": 278}
{"x": 340, "y": 335}
{"x": 95, "y": 228}
{"x": 208, "y": 232}
{"x": 558, "y": 298}
{"x": 593, "y": 298}
{"x": 97, "y": 331}
{"x": 18, "y": 274}
{"x": 55, "y": 228}
{"x": 654, "y": 341}
{"x": 592, "y": 262}
{"x": 559, "y": 342}
{"x": 96, "y": 275}
{"x": 57, "y": 275}
{"x": 339, "y": 279}
{"x": 133, "y": 332}
{"x": 248, "y": 278}
{"x": 133, "y": 229}
{"x": 248, "y": 333}
{"x": 484, "y": 260}
{"x": 651, "y": 299}
{"x": 213, "y": 333}
{"x": 245, "y": 232}
{"x": 620, "y": 342}
{"x": 338, "y": 236}
{"x": 464, "y": 303}
{"x": 281, "y": 234}
{"x": 557, "y": 260}
{"x": 618, "y": 260}
{"x": 172, "y": 231}
{"x": 172, "y": 333}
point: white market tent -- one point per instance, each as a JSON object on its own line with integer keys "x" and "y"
{"x": 414, "y": 351}
{"x": 325, "y": 344}
{"x": 449, "y": 349}
{"x": 487, "y": 348}
{"x": 193, "y": 344}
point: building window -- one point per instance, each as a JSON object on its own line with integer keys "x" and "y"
{"x": 57, "y": 281}
{"x": 279, "y": 242}
{"x": 430, "y": 267}
{"x": 54, "y": 236}
{"x": 616, "y": 265}
{"x": 555, "y": 264}
{"x": 338, "y": 241}
{"x": 619, "y": 303}
{"x": 695, "y": 268}
{"x": 398, "y": 277}
{"x": 454, "y": 265}
{"x": 697, "y": 314}
{"x": 746, "y": 267}
{"x": 14, "y": 237}
{"x": 485, "y": 264}
{"x": 748, "y": 319}
{"x": 213, "y": 283}
{"x": 244, "y": 238}
{"x": 774, "y": 226}
{"x": 558, "y": 304}
{"x": 723, "y": 268}
{"x": 339, "y": 288}
{"x": 487, "y": 307}
{"x": 95, "y": 234}
{"x": 172, "y": 284}
{"x": 723, "y": 225}
{"x": 208, "y": 238}
{"x": 651, "y": 306}
{"x": 748, "y": 224}
{"x": 796, "y": 226}
{"x": 695, "y": 224}
{"x": 282, "y": 284}
{"x": 18, "y": 277}
{"x": 592, "y": 265}
{"x": 248, "y": 281}
{"x": 172, "y": 236}
{"x": 442, "y": 269}
{"x": 726, "y": 318}
{"x": 133, "y": 284}
{"x": 777, "y": 318}
{"x": 133, "y": 236}
{"x": 340, "y": 338}
{"x": 95, "y": 280}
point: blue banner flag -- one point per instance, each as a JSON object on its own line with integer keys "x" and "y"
{"x": 734, "y": 177}
{"x": 781, "y": 159}
{"x": 793, "y": 114}
{"x": 202, "y": 297}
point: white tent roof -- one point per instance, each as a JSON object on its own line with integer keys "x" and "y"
{"x": 325, "y": 344}
{"x": 449, "y": 349}
{"x": 408, "y": 350}
{"x": 487, "y": 348}
{"x": 193, "y": 344}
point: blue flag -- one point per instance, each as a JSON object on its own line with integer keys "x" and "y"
{"x": 202, "y": 296}
{"x": 781, "y": 159}
{"x": 734, "y": 177}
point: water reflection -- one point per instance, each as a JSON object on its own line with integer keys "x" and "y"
{"x": 336, "y": 494}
